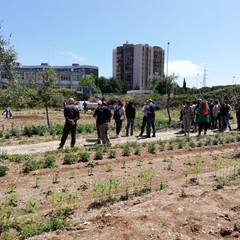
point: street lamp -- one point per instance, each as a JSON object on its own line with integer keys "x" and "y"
{"x": 167, "y": 57}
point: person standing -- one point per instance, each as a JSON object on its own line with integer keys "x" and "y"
{"x": 187, "y": 117}
{"x": 151, "y": 118}
{"x": 237, "y": 109}
{"x": 119, "y": 117}
{"x": 71, "y": 114}
{"x": 8, "y": 112}
{"x": 97, "y": 125}
{"x": 144, "y": 120}
{"x": 215, "y": 114}
{"x": 204, "y": 117}
{"x": 225, "y": 111}
{"x": 85, "y": 106}
{"x": 130, "y": 115}
{"x": 105, "y": 126}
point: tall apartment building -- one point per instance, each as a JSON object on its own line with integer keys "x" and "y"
{"x": 68, "y": 76}
{"x": 135, "y": 64}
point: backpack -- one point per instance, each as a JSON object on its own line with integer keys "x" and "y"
{"x": 116, "y": 115}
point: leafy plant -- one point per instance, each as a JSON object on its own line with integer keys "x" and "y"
{"x": 126, "y": 151}
{"x": 3, "y": 170}
{"x": 69, "y": 159}
{"x": 112, "y": 153}
{"x": 152, "y": 148}
{"x": 98, "y": 154}
{"x": 30, "y": 165}
{"x": 84, "y": 156}
{"x": 49, "y": 162}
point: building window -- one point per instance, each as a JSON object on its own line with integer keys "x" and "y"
{"x": 65, "y": 77}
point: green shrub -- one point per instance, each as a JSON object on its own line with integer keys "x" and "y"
{"x": 3, "y": 170}
{"x": 30, "y": 165}
{"x": 126, "y": 150}
{"x": 84, "y": 156}
{"x": 69, "y": 159}
{"x": 151, "y": 148}
{"x": 98, "y": 154}
{"x": 112, "y": 153}
{"x": 49, "y": 162}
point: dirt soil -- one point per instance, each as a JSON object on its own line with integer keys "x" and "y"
{"x": 184, "y": 202}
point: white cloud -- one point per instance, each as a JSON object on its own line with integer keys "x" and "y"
{"x": 74, "y": 57}
{"x": 184, "y": 68}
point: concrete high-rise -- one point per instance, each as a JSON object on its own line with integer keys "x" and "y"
{"x": 135, "y": 64}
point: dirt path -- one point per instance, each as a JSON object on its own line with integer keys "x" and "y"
{"x": 53, "y": 145}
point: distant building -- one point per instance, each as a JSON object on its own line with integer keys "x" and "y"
{"x": 135, "y": 64}
{"x": 68, "y": 76}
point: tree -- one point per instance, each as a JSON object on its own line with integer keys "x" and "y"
{"x": 48, "y": 78}
{"x": 111, "y": 85}
{"x": 15, "y": 90}
{"x": 184, "y": 85}
{"x": 89, "y": 85}
{"x": 165, "y": 85}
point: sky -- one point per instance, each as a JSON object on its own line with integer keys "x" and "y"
{"x": 202, "y": 34}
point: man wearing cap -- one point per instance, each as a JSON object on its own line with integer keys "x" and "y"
{"x": 71, "y": 114}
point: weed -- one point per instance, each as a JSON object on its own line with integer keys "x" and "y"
{"x": 137, "y": 151}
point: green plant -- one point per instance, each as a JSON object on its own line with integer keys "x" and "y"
{"x": 90, "y": 166}
{"x": 123, "y": 164}
{"x": 98, "y": 154}
{"x": 126, "y": 151}
{"x": 152, "y": 148}
{"x": 3, "y": 170}
{"x": 145, "y": 176}
{"x": 37, "y": 179}
{"x": 30, "y": 165}
{"x": 84, "y": 156}
{"x": 31, "y": 206}
{"x": 11, "y": 200}
{"x": 69, "y": 159}
{"x": 112, "y": 153}
{"x": 56, "y": 178}
{"x": 137, "y": 151}
{"x": 12, "y": 186}
{"x": 49, "y": 162}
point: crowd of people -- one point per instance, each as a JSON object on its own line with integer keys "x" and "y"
{"x": 201, "y": 115}
{"x": 103, "y": 116}
{"x": 197, "y": 116}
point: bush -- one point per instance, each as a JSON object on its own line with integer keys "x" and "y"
{"x": 69, "y": 159}
{"x": 30, "y": 165}
{"x": 84, "y": 156}
{"x": 49, "y": 162}
{"x": 98, "y": 154}
{"x": 3, "y": 170}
